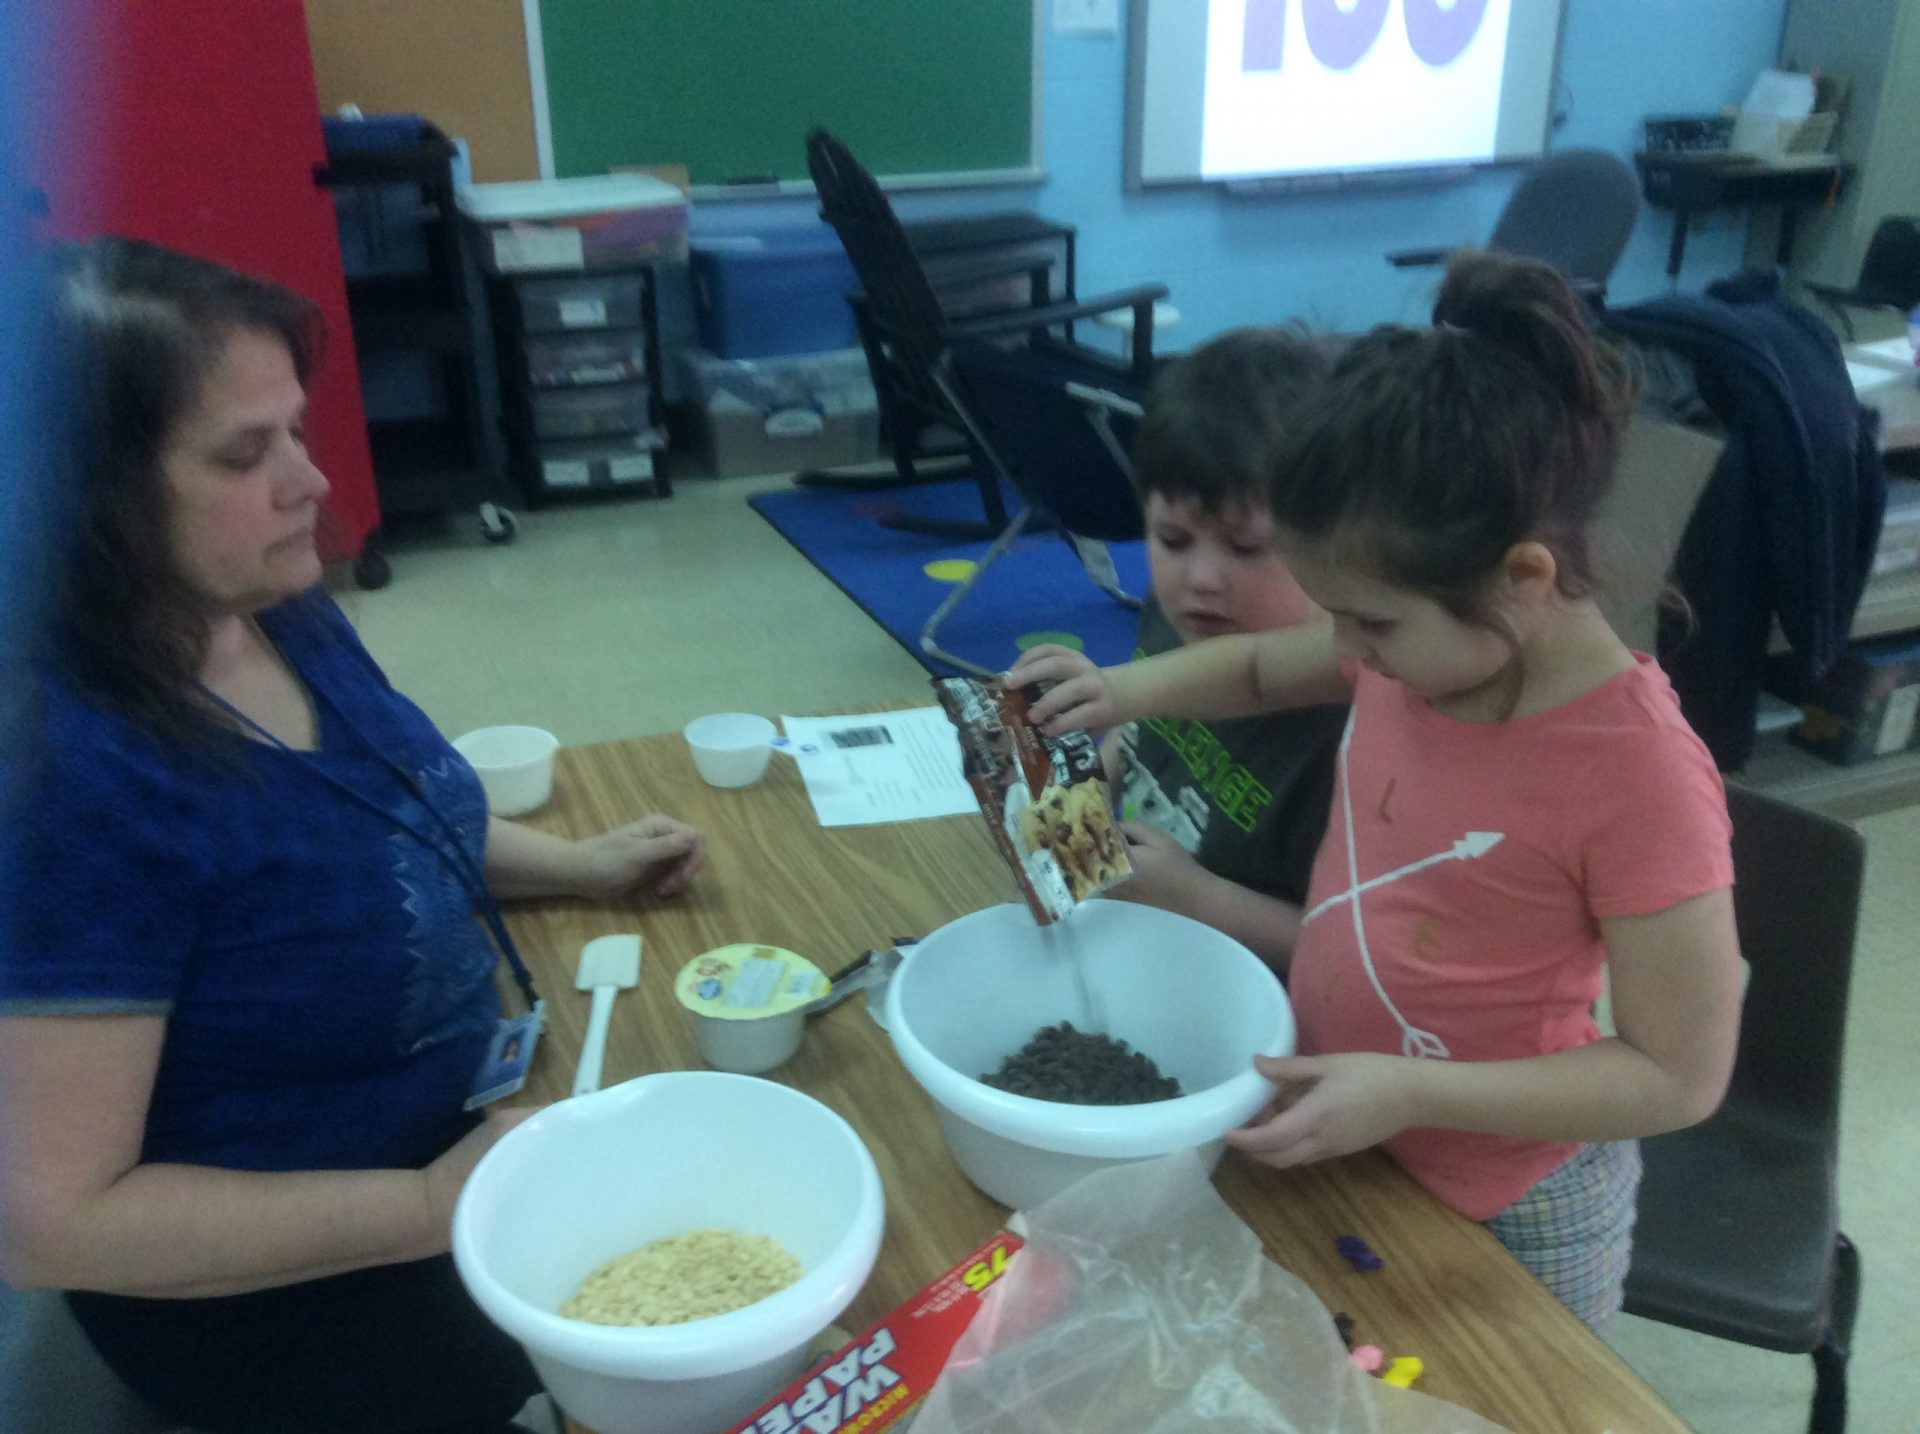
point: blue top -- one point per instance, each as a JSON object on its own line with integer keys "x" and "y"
{"x": 328, "y": 991}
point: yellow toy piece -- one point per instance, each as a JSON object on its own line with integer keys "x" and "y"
{"x": 1404, "y": 1370}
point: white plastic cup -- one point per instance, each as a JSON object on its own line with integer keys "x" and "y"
{"x": 591, "y": 1178}
{"x": 514, "y": 764}
{"x": 749, "y": 1047}
{"x": 730, "y": 749}
{"x": 1194, "y": 1000}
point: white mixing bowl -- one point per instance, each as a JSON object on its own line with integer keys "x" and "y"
{"x": 596, "y": 1176}
{"x": 1194, "y": 1000}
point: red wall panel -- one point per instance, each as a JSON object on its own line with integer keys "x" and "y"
{"x": 195, "y": 123}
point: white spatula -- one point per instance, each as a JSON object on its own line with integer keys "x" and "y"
{"x": 607, "y": 964}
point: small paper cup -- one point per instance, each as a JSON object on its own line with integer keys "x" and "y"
{"x": 514, "y": 764}
{"x": 730, "y": 748}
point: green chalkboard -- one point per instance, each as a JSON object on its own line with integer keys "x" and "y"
{"x": 730, "y": 87}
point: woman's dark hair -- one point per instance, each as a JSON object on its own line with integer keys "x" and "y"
{"x": 133, "y": 331}
{"x": 1431, "y": 452}
{"x": 1216, "y": 416}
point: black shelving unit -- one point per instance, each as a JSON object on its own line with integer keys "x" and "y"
{"x": 579, "y": 364}
{"x": 422, "y": 464}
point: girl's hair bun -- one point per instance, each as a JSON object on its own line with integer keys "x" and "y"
{"x": 1528, "y": 309}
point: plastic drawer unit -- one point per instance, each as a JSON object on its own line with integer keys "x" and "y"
{"x": 586, "y": 301}
{"x": 581, "y": 467}
{"x": 588, "y": 357}
{"x": 593, "y": 222}
{"x": 592, "y": 411}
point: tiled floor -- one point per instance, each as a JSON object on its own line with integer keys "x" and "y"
{"x": 627, "y": 619}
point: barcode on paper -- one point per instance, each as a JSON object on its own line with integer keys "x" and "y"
{"x": 860, "y": 737}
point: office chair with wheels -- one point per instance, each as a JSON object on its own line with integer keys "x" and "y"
{"x": 908, "y": 333}
{"x": 1573, "y": 210}
{"x": 1889, "y": 274}
{"x": 1739, "y": 1233}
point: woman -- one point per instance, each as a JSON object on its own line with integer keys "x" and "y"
{"x": 246, "y": 994}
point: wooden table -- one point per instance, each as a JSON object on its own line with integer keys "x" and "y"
{"x": 1492, "y": 1338}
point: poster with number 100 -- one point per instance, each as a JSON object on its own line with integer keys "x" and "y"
{"x": 1303, "y": 85}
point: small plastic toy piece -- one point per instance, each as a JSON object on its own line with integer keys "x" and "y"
{"x": 1369, "y": 1358}
{"x": 1357, "y": 1253}
{"x": 1404, "y": 1370}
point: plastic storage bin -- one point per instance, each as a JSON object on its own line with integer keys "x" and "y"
{"x": 558, "y": 306}
{"x": 600, "y": 221}
{"x": 593, "y": 411}
{"x": 1868, "y": 704}
{"x": 1898, "y": 550}
{"x": 595, "y": 356}
{"x": 772, "y": 294}
{"x": 782, "y": 415}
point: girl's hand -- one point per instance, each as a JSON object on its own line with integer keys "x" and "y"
{"x": 1082, "y": 696}
{"x": 1328, "y": 1105}
{"x": 655, "y": 854}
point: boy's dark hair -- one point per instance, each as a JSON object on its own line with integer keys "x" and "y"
{"x": 1433, "y": 451}
{"x": 1216, "y": 416}
{"x": 133, "y": 331}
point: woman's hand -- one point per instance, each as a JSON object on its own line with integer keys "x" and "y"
{"x": 443, "y": 1179}
{"x": 656, "y": 854}
{"x": 1325, "y": 1106}
{"x": 1082, "y": 697}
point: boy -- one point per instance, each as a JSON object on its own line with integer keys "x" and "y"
{"x": 1224, "y": 817}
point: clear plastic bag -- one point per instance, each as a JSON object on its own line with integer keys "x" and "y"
{"x": 1142, "y": 1302}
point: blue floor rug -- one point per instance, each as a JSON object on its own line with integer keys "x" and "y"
{"x": 1038, "y": 586}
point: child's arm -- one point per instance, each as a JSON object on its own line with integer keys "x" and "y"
{"x": 1676, "y": 1005}
{"x": 1233, "y": 676}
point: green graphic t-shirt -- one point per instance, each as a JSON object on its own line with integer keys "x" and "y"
{"x": 1248, "y": 796}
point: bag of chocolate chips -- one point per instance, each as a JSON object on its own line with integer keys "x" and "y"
{"x": 1045, "y": 798}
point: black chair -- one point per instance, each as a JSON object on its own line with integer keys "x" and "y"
{"x": 1739, "y": 1231}
{"x": 1573, "y": 210}
{"x": 908, "y": 332}
{"x": 1063, "y": 444}
{"x": 1889, "y": 275}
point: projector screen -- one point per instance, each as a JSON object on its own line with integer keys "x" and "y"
{"x": 1245, "y": 90}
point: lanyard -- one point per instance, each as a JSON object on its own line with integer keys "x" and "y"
{"x": 450, "y": 852}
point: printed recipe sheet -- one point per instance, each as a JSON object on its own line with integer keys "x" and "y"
{"x": 881, "y": 767}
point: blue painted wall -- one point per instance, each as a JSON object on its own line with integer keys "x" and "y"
{"x": 1240, "y": 259}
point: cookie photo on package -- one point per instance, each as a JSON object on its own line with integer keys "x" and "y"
{"x": 1045, "y": 798}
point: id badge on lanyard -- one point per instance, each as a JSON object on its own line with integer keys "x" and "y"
{"x": 509, "y": 1054}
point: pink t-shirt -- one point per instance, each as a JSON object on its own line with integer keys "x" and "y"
{"x": 1486, "y": 854}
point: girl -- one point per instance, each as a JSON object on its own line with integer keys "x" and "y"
{"x": 1517, "y": 804}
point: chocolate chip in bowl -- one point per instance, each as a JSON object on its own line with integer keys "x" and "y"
{"x": 1082, "y": 1068}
